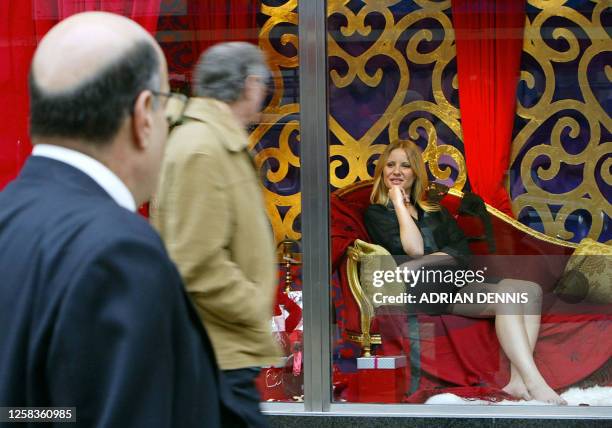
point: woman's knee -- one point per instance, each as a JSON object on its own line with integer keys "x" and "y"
{"x": 507, "y": 286}
{"x": 533, "y": 289}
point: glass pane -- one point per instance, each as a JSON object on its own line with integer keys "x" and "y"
{"x": 186, "y": 28}
{"x": 433, "y": 159}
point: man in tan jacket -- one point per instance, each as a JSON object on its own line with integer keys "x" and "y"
{"x": 209, "y": 210}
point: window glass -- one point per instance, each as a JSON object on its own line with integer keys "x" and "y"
{"x": 186, "y": 28}
{"x": 469, "y": 157}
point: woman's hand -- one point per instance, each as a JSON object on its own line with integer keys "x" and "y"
{"x": 406, "y": 198}
{"x": 397, "y": 195}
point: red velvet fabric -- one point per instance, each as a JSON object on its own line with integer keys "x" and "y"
{"x": 218, "y": 21}
{"x": 464, "y": 352}
{"x": 346, "y": 226}
{"x": 489, "y": 39}
{"x": 207, "y": 22}
{"x": 22, "y": 26}
{"x": 17, "y": 44}
{"x": 48, "y": 12}
{"x": 347, "y": 221}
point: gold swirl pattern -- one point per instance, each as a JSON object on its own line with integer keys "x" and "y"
{"x": 279, "y": 123}
{"x": 351, "y": 156}
{"x": 554, "y": 124}
{"x": 350, "y": 153}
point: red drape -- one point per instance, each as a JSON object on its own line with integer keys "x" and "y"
{"x": 489, "y": 37}
{"x": 22, "y": 24}
{"x": 221, "y": 21}
{"x": 17, "y": 43}
{"x": 207, "y": 22}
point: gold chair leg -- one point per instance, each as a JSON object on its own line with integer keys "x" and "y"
{"x": 366, "y": 351}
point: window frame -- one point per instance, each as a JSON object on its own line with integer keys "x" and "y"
{"x": 315, "y": 221}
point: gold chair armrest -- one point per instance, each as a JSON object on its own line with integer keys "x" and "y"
{"x": 366, "y": 308}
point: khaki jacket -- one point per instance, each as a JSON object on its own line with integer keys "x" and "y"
{"x": 210, "y": 212}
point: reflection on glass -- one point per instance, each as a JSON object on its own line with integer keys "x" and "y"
{"x": 185, "y": 29}
{"x": 393, "y": 75}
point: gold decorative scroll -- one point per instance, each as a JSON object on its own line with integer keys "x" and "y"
{"x": 353, "y": 153}
{"x": 278, "y": 114}
{"x": 572, "y": 119}
{"x": 356, "y": 151}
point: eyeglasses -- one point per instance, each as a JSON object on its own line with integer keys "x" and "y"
{"x": 174, "y": 106}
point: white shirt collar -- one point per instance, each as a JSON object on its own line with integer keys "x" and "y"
{"x": 93, "y": 168}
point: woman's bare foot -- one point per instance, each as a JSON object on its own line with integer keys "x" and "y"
{"x": 517, "y": 388}
{"x": 540, "y": 391}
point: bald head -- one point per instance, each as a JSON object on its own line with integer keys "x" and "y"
{"x": 86, "y": 73}
{"x": 79, "y": 47}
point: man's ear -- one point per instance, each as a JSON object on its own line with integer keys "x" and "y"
{"x": 142, "y": 119}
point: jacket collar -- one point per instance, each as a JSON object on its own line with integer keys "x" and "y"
{"x": 104, "y": 177}
{"x": 46, "y": 171}
{"x": 218, "y": 115}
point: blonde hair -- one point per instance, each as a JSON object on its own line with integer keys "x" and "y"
{"x": 418, "y": 193}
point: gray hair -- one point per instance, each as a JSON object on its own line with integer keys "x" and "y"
{"x": 223, "y": 68}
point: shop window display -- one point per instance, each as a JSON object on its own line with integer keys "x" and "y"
{"x": 395, "y": 73}
{"x": 399, "y": 67}
{"x": 185, "y": 28}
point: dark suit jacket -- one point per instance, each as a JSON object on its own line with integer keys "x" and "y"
{"x": 93, "y": 313}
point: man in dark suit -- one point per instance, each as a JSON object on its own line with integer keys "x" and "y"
{"x": 92, "y": 311}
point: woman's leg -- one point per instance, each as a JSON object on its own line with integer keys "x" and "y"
{"x": 532, "y": 309}
{"x": 531, "y": 321}
{"x": 517, "y": 332}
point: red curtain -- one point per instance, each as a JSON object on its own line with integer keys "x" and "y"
{"x": 22, "y": 24}
{"x": 221, "y": 21}
{"x": 17, "y": 43}
{"x": 489, "y": 37}
{"x": 206, "y": 22}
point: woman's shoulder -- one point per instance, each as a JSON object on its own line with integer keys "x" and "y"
{"x": 375, "y": 212}
{"x": 376, "y": 208}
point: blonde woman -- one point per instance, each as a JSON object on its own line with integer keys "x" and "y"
{"x": 401, "y": 219}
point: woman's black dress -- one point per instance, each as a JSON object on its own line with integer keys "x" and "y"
{"x": 440, "y": 233}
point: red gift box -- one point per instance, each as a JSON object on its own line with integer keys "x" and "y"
{"x": 270, "y": 382}
{"x": 283, "y": 381}
{"x": 381, "y": 379}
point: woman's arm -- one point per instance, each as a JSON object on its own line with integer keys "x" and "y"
{"x": 410, "y": 235}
